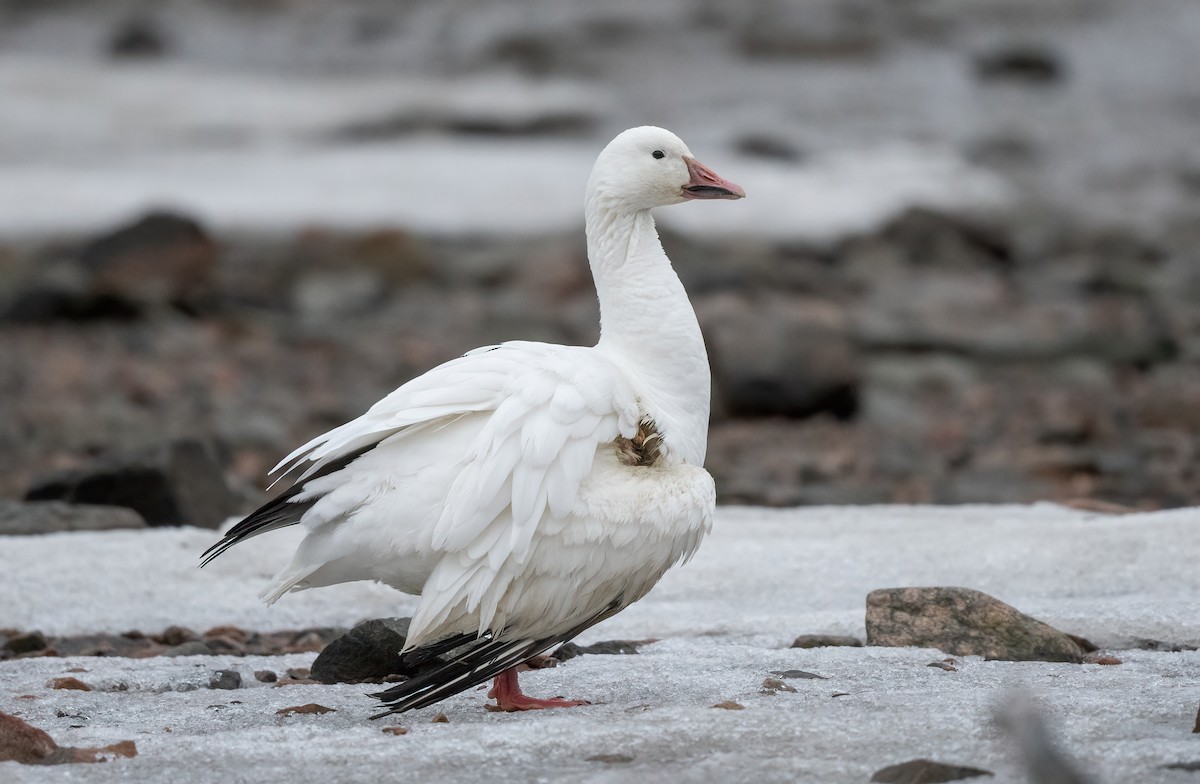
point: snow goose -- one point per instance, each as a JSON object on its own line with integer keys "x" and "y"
{"x": 526, "y": 491}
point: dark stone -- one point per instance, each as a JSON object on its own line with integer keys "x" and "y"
{"x": 178, "y": 483}
{"x": 609, "y": 759}
{"x": 370, "y": 652}
{"x": 923, "y": 771}
{"x": 1188, "y": 766}
{"x": 176, "y": 635}
{"x": 570, "y": 650}
{"x": 161, "y": 258}
{"x": 193, "y": 648}
{"x": 45, "y": 304}
{"x": 43, "y": 517}
{"x": 26, "y": 643}
{"x": 826, "y": 641}
{"x": 265, "y": 676}
{"x": 1026, "y": 64}
{"x": 962, "y": 622}
{"x": 225, "y": 679}
{"x": 799, "y": 675}
{"x": 1196, "y": 728}
{"x": 104, "y": 645}
{"x": 137, "y": 38}
{"x": 769, "y": 147}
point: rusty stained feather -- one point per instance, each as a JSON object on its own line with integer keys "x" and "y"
{"x": 644, "y": 449}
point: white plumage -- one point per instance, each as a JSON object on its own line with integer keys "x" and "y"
{"x": 500, "y": 486}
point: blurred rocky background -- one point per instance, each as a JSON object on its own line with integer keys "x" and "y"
{"x": 968, "y": 269}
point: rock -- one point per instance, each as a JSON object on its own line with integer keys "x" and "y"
{"x": 26, "y": 643}
{"x": 139, "y": 37}
{"x": 265, "y": 676}
{"x": 730, "y": 705}
{"x": 1196, "y": 728}
{"x": 800, "y": 674}
{"x": 1188, "y": 766}
{"x": 775, "y": 684}
{"x": 923, "y": 771}
{"x": 69, "y": 684}
{"x": 369, "y": 653}
{"x": 570, "y": 650}
{"x": 962, "y": 622}
{"x": 441, "y": 718}
{"x": 225, "y": 679}
{"x": 193, "y": 648}
{"x": 780, "y": 356}
{"x": 826, "y": 641}
{"x": 40, "y": 517}
{"x": 395, "y": 730}
{"x": 609, "y": 759}
{"x": 310, "y": 708}
{"x": 1028, "y": 64}
{"x": 23, "y": 743}
{"x": 178, "y": 483}
{"x": 162, "y": 258}
{"x": 942, "y": 665}
{"x": 175, "y": 635}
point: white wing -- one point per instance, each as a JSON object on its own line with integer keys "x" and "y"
{"x": 535, "y": 414}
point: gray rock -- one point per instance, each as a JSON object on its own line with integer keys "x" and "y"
{"x": 963, "y": 622}
{"x": 177, "y": 483}
{"x": 160, "y": 258}
{"x": 26, "y": 643}
{"x": 826, "y": 641}
{"x": 193, "y": 648}
{"x": 923, "y": 771}
{"x": 225, "y": 679}
{"x": 799, "y": 675}
{"x": 43, "y": 517}
{"x": 368, "y": 653}
{"x": 265, "y": 676}
{"x": 570, "y": 650}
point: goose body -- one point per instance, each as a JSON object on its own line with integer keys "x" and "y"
{"x": 527, "y": 491}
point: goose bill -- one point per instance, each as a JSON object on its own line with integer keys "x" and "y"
{"x": 707, "y": 184}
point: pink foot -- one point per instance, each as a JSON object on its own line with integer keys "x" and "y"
{"x": 507, "y": 693}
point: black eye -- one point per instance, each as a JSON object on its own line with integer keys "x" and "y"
{"x": 659, "y": 154}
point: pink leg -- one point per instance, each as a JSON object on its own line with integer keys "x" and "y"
{"x": 508, "y": 696}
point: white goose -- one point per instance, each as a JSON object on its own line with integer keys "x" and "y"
{"x": 527, "y": 491}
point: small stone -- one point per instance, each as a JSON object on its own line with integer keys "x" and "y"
{"x": 225, "y": 679}
{"x": 1106, "y": 660}
{"x": 193, "y": 648}
{"x": 730, "y": 705}
{"x": 27, "y": 643}
{"x": 310, "y": 708}
{"x": 941, "y": 665}
{"x": 799, "y": 674}
{"x": 299, "y": 673}
{"x": 69, "y": 683}
{"x": 923, "y": 771}
{"x": 441, "y": 718}
{"x": 609, "y": 647}
{"x": 175, "y": 635}
{"x": 395, "y": 730}
{"x": 1188, "y": 766}
{"x": 265, "y": 676}
{"x": 774, "y": 684}
{"x": 609, "y": 759}
{"x": 826, "y": 641}
{"x": 1196, "y": 728}
{"x": 963, "y": 622}
{"x": 541, "y": 663}
{"x": 25, "y": 518}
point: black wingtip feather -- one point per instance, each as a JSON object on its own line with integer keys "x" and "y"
{"x": 277, "y": 513}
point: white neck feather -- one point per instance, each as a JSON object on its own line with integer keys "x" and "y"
{"x": 647, "y": 324}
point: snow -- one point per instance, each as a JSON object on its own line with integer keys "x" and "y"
{"x": 723, "y": 622}
{"x": 87, "y": 145}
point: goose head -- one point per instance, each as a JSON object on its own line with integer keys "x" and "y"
{"x": 648, "y": 167}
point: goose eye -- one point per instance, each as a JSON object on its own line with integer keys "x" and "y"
{"x": 659, "y": 154}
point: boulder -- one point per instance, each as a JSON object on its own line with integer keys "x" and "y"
{"x": 963, "y": 622}
{"x": 43, "y": 517}
{"x": 178, "y": 483}
{"x": 370, "y": 652}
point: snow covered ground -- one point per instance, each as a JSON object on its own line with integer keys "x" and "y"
{"x": 86, "y": 145}
{"x": 723, "y": 621}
